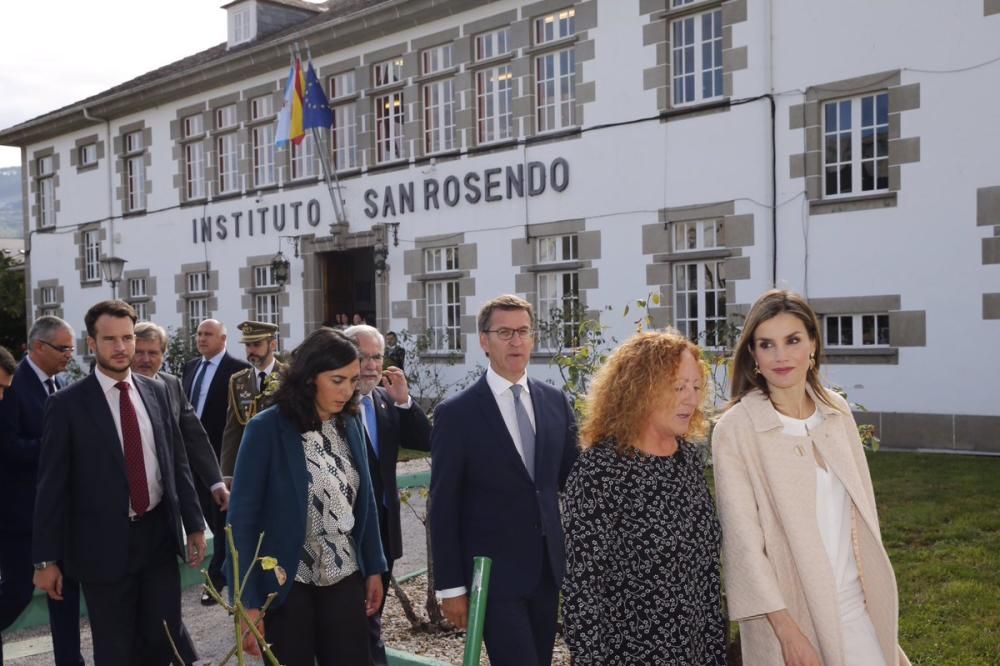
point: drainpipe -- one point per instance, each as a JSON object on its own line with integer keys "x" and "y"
{"x": 108, "y": 148}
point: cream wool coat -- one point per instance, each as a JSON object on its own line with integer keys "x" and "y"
{"x": 773, "y": 555}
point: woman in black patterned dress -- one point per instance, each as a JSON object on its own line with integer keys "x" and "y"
{"x": 642, "y": 538}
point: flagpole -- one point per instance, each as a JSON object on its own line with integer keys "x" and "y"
{"x": 332, "y": 183}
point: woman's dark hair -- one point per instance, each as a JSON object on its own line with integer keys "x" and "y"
{"x": 324, "y": 349}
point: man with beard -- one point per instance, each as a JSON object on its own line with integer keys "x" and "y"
{"x": 114, "y": 489}
{"x": 50, "y": 347}
{"x": 250, "y": 389}
{"x": 393, "y": 421}
{"x": 206, "y": 384}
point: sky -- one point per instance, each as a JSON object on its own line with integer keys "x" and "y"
{"x": 56, "y": 52}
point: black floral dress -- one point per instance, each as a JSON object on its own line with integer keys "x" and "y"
{"x": 642, "y": 560}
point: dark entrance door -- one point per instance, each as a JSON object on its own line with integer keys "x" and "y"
{"x": 349, "y": 286}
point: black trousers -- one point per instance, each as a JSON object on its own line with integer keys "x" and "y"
{"x": 521, "y": 631}
{"x": 16, "y": 589}
{"x": 127, "y": 615}
{"x": 320, "y": 625}
{"x": 216, "y": 521}
{"x": 375, "y": 645}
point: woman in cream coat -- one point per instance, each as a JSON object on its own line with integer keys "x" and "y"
{"x": 805, "y": 571}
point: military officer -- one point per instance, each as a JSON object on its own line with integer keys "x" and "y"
{"x": 250, "y": 390}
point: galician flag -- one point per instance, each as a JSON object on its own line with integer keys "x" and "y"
{"x": 290, "y": 118}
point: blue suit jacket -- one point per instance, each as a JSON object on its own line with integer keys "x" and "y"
{"x": 20, "y": 441}
{"x": 81, "y": 506}
{"x": 269, "y": 495}
{"x": 482, "y": 500}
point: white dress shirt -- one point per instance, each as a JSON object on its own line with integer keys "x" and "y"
{"x": 111, "y": 394}
{"x": 41, "y": 373}
{"x": 213, "y": 365}
{"x": 267, "y": 371}
{"x": 500, "y": 388}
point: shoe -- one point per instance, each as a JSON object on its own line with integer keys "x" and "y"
{"x": 206, "y": 598}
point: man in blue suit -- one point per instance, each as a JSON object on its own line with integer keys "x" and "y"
{"x": 501, "y": 451}
{"x": 50, "y": 347}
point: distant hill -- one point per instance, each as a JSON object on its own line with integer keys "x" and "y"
{"x": 11, "y": 224}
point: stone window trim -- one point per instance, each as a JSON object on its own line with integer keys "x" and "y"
{"x": 907, "y": 328}
{"x": 414, "y": 309}
{"x": 435, "y": 76}
{"x": 249, "y": 291}
{"x": 183, "y": 295}
{"x": 80, "y": 261}
{"x": 991, "y": 7}
{"x": 75, "y": 153}
{"x": 121, "y": 191}
{"x": 35, "y": 187}
{"x": 808, "y": 116}
{"x": 150, "y": 296}
{"x": 53, "y": 307}
{"x": 656, "y": 33}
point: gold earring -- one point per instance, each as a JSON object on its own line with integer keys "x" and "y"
{"x": 756, "y": 369}
{"x": 812, "y": 361}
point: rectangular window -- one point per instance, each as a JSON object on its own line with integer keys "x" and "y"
{"x": 696, "y": 52}
{"x": 555, "y": 90}
{"x": 48, "y": 296}
{"x": 46, "y": 187}
{"x": 389, "y": 115}
{"x": 227, "y": 165}
{"x": 494, "y": 104}
{"x": 194, "y": 170}
{"x": 197, "y": 283}
{"x": 443, "y": 316}
{"x": 304, "y": 158}
{"x": 557, "y": 25}
{"x": 197, "y": 312}
{"x": 344, "y": 138}
{"x": 856, "y": 145}
{"x": 267, "y": 308}
{"x": 92, "y": 256}
{"x": 439, "y": 116}
{"x": 559, "y": 311}
{"x": 135, "y": 171}
{"x": 436, "y": 59}
{"x": 698, "y": 235}
{"x": 261, "y": 107}
{"x": 263, "y": 277}
{"x": 342, "y": 85}
{"x": 388, "y": 72}
{"x": 492, "y": 44}
{"x": 700, "y": 302}
{"x": 193, "y": 126}
{"x": 241, "y": 26}
{"x": 141, "y": 310}
{"x": 440, "y": 259}
{"x": 87, "y": 154}
{"x": 225, "y": 117}
{"x": 262, "y": 151}
{"x": 553, "y": 249}
{"x": 858, "y": 330}
{"x": 137, "y": 288}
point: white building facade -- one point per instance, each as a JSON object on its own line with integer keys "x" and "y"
{"x": 577, "y": 153}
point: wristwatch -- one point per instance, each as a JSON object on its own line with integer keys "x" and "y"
{"x": 42, "y": 565}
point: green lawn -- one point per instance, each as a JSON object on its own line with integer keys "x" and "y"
{"x": 940, "y": 520}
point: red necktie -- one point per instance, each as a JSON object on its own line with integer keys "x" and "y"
{"x": 135, "y": 466}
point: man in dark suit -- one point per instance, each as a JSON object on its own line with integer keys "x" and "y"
{"x": 50, "y": 347}
{"x": 392, "y": 421}
{"x": 8, "y": 366}
{"x": 501, "y": 451}
{"x": 150, "y": 347}
{"x": 114, "y": 489}
{"x": 206, "y": 384}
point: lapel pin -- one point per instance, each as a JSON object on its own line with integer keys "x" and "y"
{"x": 799, "y": 451}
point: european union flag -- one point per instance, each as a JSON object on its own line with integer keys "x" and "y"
{"x": 316, "y": 111}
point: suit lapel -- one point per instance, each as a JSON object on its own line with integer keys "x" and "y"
{"x": 493, "y": 422}
{"x": 156, "y": 420}
{"x": 107, "y": 433}
{"x": 539, "y": 405}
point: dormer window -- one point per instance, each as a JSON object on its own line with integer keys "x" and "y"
{"x": 241, "y": 23}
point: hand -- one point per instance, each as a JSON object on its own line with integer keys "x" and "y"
{"x": 196, "y": 547}
{"x": 50, "y": 579}
{"x": 221, "y": 497}
{"x": 373, "y": 594}
{"x": 249, "y": 640}
{"x": 795, "y": 647}
{"x": 456, "y": 609}
{"x": 395, "y": 385}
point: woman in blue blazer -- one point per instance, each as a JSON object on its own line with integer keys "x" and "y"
{"x": 302, "y": 479}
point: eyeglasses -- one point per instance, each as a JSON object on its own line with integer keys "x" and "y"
{"x": 61, "y": 350}
{"x": 507, "y": 334}
{"x": 370, "y": 357}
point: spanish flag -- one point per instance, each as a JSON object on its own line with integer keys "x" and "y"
{"x": 290, "y": 118}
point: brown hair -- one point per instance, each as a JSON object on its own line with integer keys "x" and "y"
{"x": 147, "y": 330}
{"x": 771, "y": 304}
{"x": 505, "y": 302}
{"x": 7, "y": 362}
{"x": 628, "y": 386}
{"x": 116, "y": 308}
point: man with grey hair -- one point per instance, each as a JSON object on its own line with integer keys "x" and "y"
{"x": 50, "y": 348}
{"x": 393, "y": 421}
{"x": 8, "y": 366}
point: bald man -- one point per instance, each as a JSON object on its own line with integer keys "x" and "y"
{"x": 206, "y": 384}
